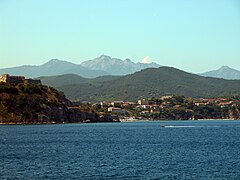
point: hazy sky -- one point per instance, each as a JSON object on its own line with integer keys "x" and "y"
{"x": 193, "y": 35}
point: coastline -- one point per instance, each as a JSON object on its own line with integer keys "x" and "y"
{"x": 120, "y": 120}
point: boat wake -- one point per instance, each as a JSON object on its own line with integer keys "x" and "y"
{"x": 173, "y": 126}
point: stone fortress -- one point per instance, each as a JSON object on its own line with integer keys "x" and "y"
{"x": 6, "y": 78}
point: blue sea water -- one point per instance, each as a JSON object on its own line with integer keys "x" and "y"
{"x": 136, "y": 150}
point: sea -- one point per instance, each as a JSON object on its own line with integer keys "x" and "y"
{"x": 203, "y": 149}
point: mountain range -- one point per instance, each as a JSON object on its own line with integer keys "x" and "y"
{"x": 150, "y": 82}
{"x": 103, "y": 65}
{"x": 52, "y": 67}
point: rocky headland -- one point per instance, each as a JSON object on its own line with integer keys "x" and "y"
{"x": 37, "y": 104}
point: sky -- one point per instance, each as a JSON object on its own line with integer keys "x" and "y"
{"x": 195, "y": 36}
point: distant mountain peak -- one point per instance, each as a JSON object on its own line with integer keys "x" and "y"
{"x": 54, "y": 61}
{"x": 224, "y": 72}
{"x": 225, "y": 68}
{"x": 128, "y": 60}
{"x": 117, "y": 66}
{"x": 103, "y": 56}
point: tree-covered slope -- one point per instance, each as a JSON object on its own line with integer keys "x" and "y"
{"x": 66, "y": 79}
{"x": 31, "y": 103}
{"x": 73, "y": 79}
{"x": 152, "y": 82}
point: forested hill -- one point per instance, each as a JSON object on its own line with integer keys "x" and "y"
{"x": 151, "y": 82}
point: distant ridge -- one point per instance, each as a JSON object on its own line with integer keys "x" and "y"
{"x": 51, "y": 68}
{"x": 224, "y": 72}
{"x": 101, "y": 66}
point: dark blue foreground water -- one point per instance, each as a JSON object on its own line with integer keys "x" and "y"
{"x": 139, "y": 150}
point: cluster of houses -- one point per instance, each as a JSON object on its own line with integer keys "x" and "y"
{"x": 148, "y": 106}
{"x": 222, "y": 102}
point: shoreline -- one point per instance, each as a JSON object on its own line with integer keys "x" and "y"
{"x": 121, "y": 120}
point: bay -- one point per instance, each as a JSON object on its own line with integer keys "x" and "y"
{"x": 129, "y": 150}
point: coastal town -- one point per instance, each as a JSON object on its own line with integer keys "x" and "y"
{"x": 171, "y": 107}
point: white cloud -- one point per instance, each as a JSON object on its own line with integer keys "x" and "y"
{"x": 146, "y": 60}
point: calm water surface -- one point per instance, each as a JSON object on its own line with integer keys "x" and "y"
{"x": 137, "y": 150}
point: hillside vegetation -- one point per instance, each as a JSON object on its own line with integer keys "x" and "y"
{"x": 31, "y": 104}
{"x": 151, "y": 82}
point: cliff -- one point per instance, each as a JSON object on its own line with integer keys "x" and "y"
{"x": 34, "y": 103}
